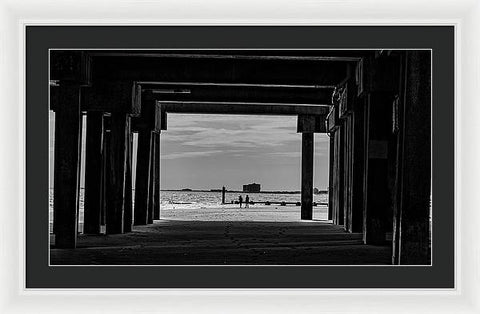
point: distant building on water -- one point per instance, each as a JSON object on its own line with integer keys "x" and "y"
{"x": 251, "y": 188}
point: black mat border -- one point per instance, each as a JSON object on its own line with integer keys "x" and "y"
{"x": 40, "y": 38}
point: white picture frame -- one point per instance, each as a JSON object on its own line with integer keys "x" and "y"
{"x": 15, "y": 15}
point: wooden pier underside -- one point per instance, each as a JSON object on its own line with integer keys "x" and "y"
{"x": 374, "y": 105}
{"x": 243, "y": 108}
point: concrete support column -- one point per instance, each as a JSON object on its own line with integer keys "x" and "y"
{"x": 307, "y": 176}
{"x": 128, "y": 211}
{"x": 358, "y": 168}
{"x": 377, "y": 208}
{"x": 105, "y": 153}
{"x": 151, "y": 186}
{"x": 142, "y": 177}
{"x": 347, "y": 174}
{"x": 67, "y": 166}
{"x": 412, "y": 205}
{"x": 338, "y": 214}
{"x": 156, "y": 203}
{"x": 330, "y": 176}
{"x": 116, "y": 166}
{"x": 93, "y": 173}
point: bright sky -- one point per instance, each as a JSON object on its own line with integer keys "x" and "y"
{"x": 211, "y": 151}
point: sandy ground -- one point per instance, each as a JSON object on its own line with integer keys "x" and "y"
{"x": 231, "y": 212}
{"x": 227, "y": 235}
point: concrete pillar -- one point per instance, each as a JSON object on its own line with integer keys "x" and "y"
{"x": 414, "y": 178}
{"x": 330, "y": 176}
{"x": 142, "y": 178}
{"x": 79, "y": 171}
{"x": 67, "y": 166}
{"x": 93, "y": 173}
{"x": 116, "y": 166}
{"x": 377, "y": 210}
{"x": 151, "y": 186}
{"x": 128, "y": 211}
{"x": 347, "y": 174}
{"x": 338, "y": 217}
{"x": 156, "y": 204}
{"x": 105, "y": 153}
{"x": 307, "y": 176}
{"x": 358, "y": 167}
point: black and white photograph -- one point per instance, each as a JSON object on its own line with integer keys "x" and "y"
{"x": 240, "y": 157}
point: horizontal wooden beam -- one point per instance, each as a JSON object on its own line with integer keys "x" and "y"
{"x": 252, "y": 93}
{"x": 324, "y": 55}
{"x": 311, "y": 124}
{"x": 113, "y": 96}
{"x": 152, "y": 84}
{"x": 218, "y": 70}
{"x": 243, "y": 108}
{"x": 70, "y": 66}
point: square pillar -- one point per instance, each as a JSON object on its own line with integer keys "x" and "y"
{"x": 330, "y": 176}
{"x": 156, "y": 203}
{"x": 347, "y": 173}
{"x": 116, "y": 173}
{"x": 151, "y": 186}
{"x": 377, "y": 208}
{"x": 142, "y": 181}
{"x": 338, "y": 214}
{"x": 105, "y": 153}
{"x": 93, "y": 173}
{"x": 128, "y": 210}
{"x": 412, "y": 201}
{"x": 307, "y": 176}
{"x": 358, "y": 167}
{"x": 67, "y": 166}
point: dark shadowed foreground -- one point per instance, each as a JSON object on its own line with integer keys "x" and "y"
{"x": 180, "y": 242}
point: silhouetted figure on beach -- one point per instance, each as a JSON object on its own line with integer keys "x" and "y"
{"x": 247, "y": 201}
{"x": 240, "y": 200}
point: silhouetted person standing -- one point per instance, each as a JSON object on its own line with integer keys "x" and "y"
{"x": 247, "y": 200}
{"x": 240, "y": 200}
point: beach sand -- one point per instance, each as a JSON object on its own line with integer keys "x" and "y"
{"x": 232, "y": 212}
{"x": 228, "y": 235}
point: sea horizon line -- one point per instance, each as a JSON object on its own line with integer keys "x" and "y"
{"x": 238, "y": 191}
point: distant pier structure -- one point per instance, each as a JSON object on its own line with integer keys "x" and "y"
{"x": 251, "y": 188}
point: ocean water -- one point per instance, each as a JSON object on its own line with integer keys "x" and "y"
{"x": 196, "y": 200}
{"x": 184, "y": 200}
